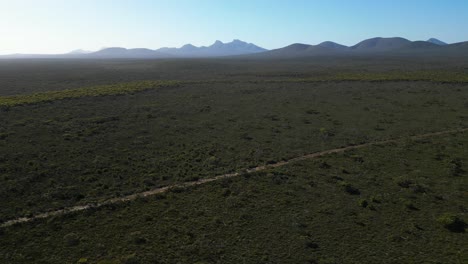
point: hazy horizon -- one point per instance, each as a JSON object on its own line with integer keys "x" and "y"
{"x": 53, "y": 27}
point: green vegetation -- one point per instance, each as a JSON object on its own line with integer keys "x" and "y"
{"x": 427, "y": 76}
{"x": 299, "y": 213}
{"x": 137, "y": 86}
{"x": 453, "y": 222}
{"x": 114, "y": 89}
{"x": 62, "y": 145}
{"x": 36, "y": 76}
{"x": 68, "y": 152}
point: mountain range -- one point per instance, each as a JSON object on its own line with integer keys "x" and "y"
{"x": 376, "y": 46}
{"x": 217, "y": 49}
{"x": 394, "y": 46}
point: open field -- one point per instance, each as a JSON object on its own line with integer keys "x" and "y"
{"x": 354, "y": 207}
{"x": 81, "y": 150}
{"x": 196, "y": 182}
{"x": 41, "y": 75}
{"x": 75, "y": 132}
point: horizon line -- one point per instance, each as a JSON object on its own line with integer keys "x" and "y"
{"x": 233, "y": 40}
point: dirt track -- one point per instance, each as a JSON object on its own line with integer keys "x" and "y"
{"x": 219, "y": 177}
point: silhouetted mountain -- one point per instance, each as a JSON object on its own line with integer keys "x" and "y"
{"x": 462, "y": 45}
{"x": 305, "y": 50}
{"x": 217, "y": 49}
{"x": 296, "y": 47}
{"x": 374, "y": 46}
{"x": 188, "y": 47}
{"x": 380, "y": 44}
{"x": 235, "y": 47}
{"x": 293, "y": 50}
{"x": 420, "y": 45}
{"x": 436, "y": 41}
{"x": 177, "y": 51}
{"x": 332, "y": 45}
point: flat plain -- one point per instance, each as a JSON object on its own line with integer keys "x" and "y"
{"x": 78, "y": 132}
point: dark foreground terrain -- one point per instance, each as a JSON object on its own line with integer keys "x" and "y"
{"x": 83, "y": 132}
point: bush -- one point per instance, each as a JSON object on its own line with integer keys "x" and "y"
{"x": 311, "y": 244}
{"x": 71, "y": 239}
{"x": 280, "y": 179}
{"x": 363, "y": 203}
{"x": 375, "y": 199}
{"x": 452, "y": 222}
{"x": 417, "y": 188}
{"x": 3, "y": 136}
{"x": 405, "y": 183}
{"x": 455, "y": 167}
{"x": 138, "y": 238}
{"x": 324, "y": 165}
{"x": 350, "y": 189}
{"x": 409, "y": 205}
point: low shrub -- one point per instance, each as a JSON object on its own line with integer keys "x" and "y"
{"x": 452, "y": 222}
{"x": 71, "y": 239}
{"x": 363, "y": 203}
{"x": 350, "y": 189}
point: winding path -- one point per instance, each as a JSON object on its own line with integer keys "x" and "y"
{"x": 134, "y": 196}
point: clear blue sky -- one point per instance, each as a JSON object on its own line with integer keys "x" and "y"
{"x": 57, "y": 26}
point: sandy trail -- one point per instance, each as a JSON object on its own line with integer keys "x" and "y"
{"x": 134, "y": 196}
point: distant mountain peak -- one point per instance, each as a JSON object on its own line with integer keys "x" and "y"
{"x": 381, "y": 44}
{"x": 217, "y": 43}
{"x": 217, "y": 49}
{"x": 436, "y": 41}
{"x": 188, "y": 47}
{"x": 332, "y": 45}
{"x": 297, "y": 46}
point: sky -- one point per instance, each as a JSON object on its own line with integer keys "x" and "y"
{"x": 59, "y": 26}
